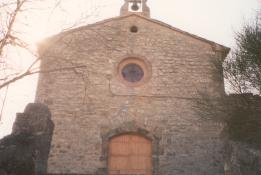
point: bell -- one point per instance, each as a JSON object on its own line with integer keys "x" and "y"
{"x": 135, "y": 6}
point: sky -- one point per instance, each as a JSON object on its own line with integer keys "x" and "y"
{"x": 215, "y": 20}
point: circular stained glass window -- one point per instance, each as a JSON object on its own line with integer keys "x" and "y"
{"x": 132, "y": 72}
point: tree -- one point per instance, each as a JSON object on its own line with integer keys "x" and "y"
{"x": 11, "y": 38}
{"x": 13, "y": 25}
{"x": 243, "y": 69}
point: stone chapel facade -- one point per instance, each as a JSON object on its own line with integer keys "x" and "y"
{"x": 121, "y": 93}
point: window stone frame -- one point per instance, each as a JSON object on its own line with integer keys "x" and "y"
{"x": 142, "y": 63}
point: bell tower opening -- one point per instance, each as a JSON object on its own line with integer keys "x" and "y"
{"x": 135, "y": 6}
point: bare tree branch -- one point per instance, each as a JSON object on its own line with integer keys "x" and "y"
{"x": 3, "y": 102}
{"x": 7, "y": 37}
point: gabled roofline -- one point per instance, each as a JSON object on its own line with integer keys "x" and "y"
{"x": 215, "y": 46}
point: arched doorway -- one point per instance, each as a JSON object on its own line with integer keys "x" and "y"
{"x": 130, "y": 155}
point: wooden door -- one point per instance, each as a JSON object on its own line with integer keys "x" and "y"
{"x": 130, "y": 155}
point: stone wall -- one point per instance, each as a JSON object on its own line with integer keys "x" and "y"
{"x": 90, "y": 103}
{"x": 242, "y": 159}
{"x": 243, "y": 144}
{"x": 25, "y": 151}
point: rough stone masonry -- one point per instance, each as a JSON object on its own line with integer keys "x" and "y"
{"x": 26, "y": 150}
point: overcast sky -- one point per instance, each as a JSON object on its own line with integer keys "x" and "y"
{"x": 215, "y": 20}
